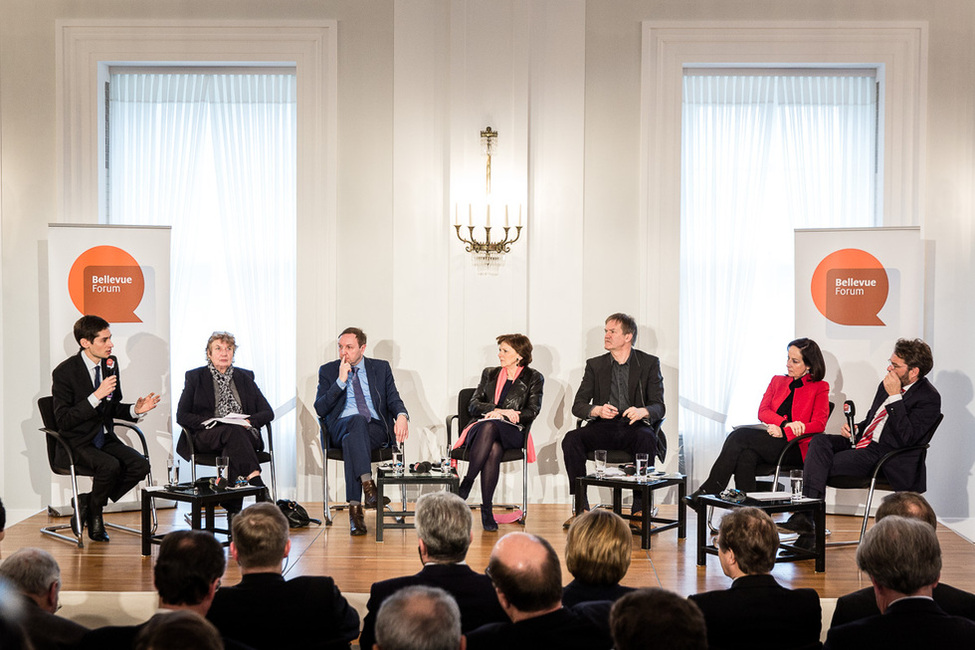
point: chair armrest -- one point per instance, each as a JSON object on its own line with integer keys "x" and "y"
{"x": 56, "y": 435}
{"x": 189, "y": 441}
{"x": 450, "y": 423}
{"x": 792, "y": 443}
{"x": 897, "y": 452}
{"x": 138, "y": 431}
{"x": 270, "y": 438}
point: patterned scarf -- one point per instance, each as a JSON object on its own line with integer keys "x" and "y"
{"x": 222, "y": 382}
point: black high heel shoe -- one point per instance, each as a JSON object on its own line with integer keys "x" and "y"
{"x": 487, "y": 519}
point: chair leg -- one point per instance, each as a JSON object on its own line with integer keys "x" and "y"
{"x": 866, "y": 510}
{"x": 274, "y": 478}
{"x": 524, "y": 490}
{"x": 53, "y": 529}
{"x": 327, "y": 511}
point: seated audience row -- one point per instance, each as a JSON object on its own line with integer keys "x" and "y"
{"x": 520, "y": 603}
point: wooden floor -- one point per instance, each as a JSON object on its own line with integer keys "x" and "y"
{"x": 357, "y": 562}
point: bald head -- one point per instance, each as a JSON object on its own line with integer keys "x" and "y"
{"x": 526, "y": 571}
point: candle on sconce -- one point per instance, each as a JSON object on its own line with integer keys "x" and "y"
{"x": 456, "y": 217}
{"x": 519, "y": 215}
{"x": 488, "y": 223}
{"x": 470, "y": 215}
{"x": 505, "y": 216}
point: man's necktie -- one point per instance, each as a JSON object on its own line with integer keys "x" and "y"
{"x": 99, "y": 440}
{"x": 868, "y": 434}
{"x": 360, "y": 397}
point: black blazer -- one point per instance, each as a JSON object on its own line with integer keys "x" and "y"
{"x": 908, "y": 623}
{"x": 578, "y": 591}
{"x": 473, "y": 592}
{"x": 908, "y": 420}
{"x": 645, "y": 382}
{"x": 524, "y": 396}
{"x": 257, "y": 610}
{"x": 582, "y": 627}
{"x": 198, "y": 401}
{"x": 77, "y": 420}
{"x": 863, "y": 603}
{"x": 780, "y": 618}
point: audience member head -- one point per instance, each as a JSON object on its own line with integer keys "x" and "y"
{"x": 526, "y": 574}
{"x": 182, "y": 630}
{"x": 36, "y": 574}
{"x": 747, "y": 542}
{"x": 521, "y": 344}
{"x": 657, "y": 618}
{"x": 88, "y": 327}
{"x": 12, "y": 613}
{"x": 599, "y": 547}
{"x": 419, "y": 618}
{"x": 900, "y": 555}
{"x": 627, "y": 324}
{"x": 812, "y": 357}
{"x": 261, "y": 538}
{"x": 915, "y": 354}
{"x": 443, "y": 526}
{"x": 907, "y": 504}
{"x": 189, "y": 568}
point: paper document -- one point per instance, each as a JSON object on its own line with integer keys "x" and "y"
{"x": 231, "y": 418}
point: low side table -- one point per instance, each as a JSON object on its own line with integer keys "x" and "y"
{"x": 646, "y": 489}
{"x": 387, "y": 477}
{"x": 199, "y": 498}
{"x": 815, "y": 507}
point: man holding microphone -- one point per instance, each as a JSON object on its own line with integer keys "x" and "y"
{"x": 363, "y": 411}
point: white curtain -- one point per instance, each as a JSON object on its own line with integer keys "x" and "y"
{"x": 214, "y": 156}
{"x": 762, "y": 155}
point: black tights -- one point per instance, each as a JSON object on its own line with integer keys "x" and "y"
{"x": 485, "y": 459}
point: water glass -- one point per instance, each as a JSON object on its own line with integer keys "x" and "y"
{"x": 398, "y": 461}
{"x": 642, "y": 466}
{"x": 445, "y": 459}
{"x": 795, "y": 476}
{"x": 172, "y": 472}
{"x": 223, "y": 465}
{"x": 600, "y": 456}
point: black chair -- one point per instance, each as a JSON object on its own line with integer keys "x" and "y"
{"x": 380, "y": 455}
{"x": 463, "y": 418}
{"x": 780, "y": 465}
{"x": 55, "y": 440}
{"x": 210, "y": 459}
{"x": 877, "y": 480}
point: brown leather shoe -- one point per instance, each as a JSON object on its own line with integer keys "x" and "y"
{"x": 371, "y": 496}
{"x": 357, "y": 521}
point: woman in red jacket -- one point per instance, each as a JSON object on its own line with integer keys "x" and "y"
{"x": 794, "y": 404}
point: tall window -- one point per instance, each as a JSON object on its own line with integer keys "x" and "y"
{"x": 763, "y": 153}
{"x": 214, "y": 155}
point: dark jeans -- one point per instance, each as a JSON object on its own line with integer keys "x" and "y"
{"x": 617, "y": 434}
{"x": 357, "y": 437}
{"x": 743, "y": 450}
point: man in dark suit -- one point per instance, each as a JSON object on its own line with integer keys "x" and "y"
{"x": 903, "y": 559}
{"x": 787, "y": 618}
{"x": 87, "y": 398}
{"x": 527, "y": 578}
{"x": 863, "y": 603}
{"x": 904, "y": 409}
{"x": 443, "y": 526}
{"x": 621, "y": 398}
{"x": 36, "y": 575}
{"x": 363, "y": 411}
{"x": 187, "y": 574}
{"x": 257, "y": 611}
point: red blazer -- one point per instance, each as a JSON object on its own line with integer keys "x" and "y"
{"x": 809, "y": 406}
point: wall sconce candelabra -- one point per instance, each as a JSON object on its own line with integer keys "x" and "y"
{"x": 488, "y": 255}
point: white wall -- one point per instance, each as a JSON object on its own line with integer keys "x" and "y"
{"x": 417, "y": 80}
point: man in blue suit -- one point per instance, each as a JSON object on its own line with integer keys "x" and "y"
{"x": 363, "y": 411}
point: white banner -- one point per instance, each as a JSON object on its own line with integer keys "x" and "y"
{"x": 120, "y": 273}
{"x": 858, "y": 290}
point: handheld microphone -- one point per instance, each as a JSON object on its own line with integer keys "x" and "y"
{"x": 850, "y": 410}
{"x": 421, "y": 467}
{"x": 109, "y": 371}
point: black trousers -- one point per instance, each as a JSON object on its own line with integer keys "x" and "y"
{"x": 233, "y": 441}
{"x": 118, "y": 468}
{"x": 743, "y": 450}
{"x": 617, "y": 434}
{"x": 834, "y": 456}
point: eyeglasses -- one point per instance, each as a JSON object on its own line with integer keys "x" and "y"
{"x": 896, "y": 365}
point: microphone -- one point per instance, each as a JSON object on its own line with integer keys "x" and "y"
{"x": 850, "y": 411}
{"x": 421, "y": 467}
{"x": 109, "y": 371}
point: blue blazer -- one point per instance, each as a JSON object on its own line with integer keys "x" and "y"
{"x": 330, "y": 399}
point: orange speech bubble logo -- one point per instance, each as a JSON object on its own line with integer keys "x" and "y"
{"x": 107, "y": 281}
{"x": 850, "y": 287}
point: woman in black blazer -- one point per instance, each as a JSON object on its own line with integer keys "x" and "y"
{"x": 506, "y": 401}
{"x": 217, "y": 390}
